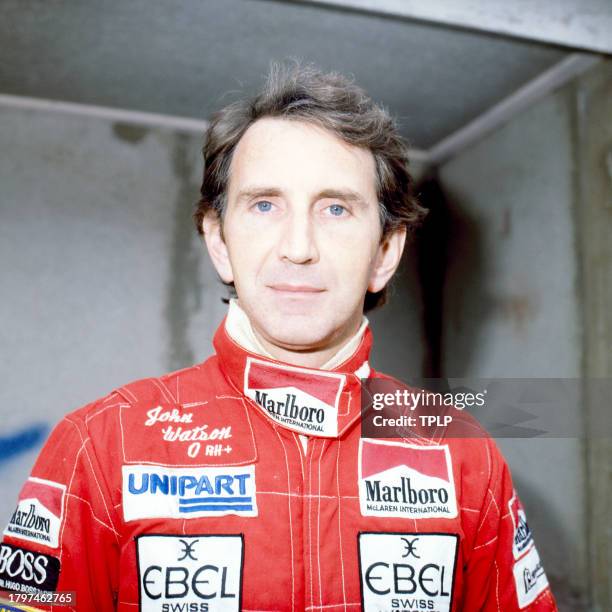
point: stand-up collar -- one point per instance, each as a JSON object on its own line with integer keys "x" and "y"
{"x": 309, "y": 401}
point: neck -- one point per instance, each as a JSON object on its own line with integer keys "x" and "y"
{"x": 326, "y": 356}
{"x": 311, "y": 357}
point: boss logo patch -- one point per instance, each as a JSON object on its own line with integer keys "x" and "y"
{"x": 27, "y": 571}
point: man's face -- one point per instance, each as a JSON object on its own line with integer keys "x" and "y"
{"x": 301, "y": 234}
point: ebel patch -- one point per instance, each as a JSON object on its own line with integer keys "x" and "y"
{"x": 27, "y": 571}
{"x": 39, "y": 512}
{"x": 300, "y": 399}
{"x": 522, "y": 538}
{"x": 529, "y": 578}
{"x": 151, "y": 491}
{"x": 405, "y": 480}
{"x": 407, "y": 571}
{"x": 190, "y": 573}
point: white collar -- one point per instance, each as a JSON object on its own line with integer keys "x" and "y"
{"x": 240, "y": 329}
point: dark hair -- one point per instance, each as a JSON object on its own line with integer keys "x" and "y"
{"x": 333, "y": 102}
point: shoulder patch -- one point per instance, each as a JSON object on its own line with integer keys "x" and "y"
{"x": 25, "y": 570}
{"x": 529, "y": 578}
{"x": 39, "y": 512}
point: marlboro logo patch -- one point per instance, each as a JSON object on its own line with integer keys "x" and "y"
{"x": 405, "y": 480}
{"x": 39, "y": 512}
{"x": 522, "y": 538}
{"x": 300, "y": 399}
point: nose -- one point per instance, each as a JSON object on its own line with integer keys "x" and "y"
{"x": 298, "y": 243}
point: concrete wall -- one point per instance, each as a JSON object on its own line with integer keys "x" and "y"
{"x": 106, "y": 281}
{"x": 593, "y": 155}
{"x": 104, "y": 278}
{"x": 514, "y": 306}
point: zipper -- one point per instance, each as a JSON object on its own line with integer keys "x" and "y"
{"x": 307, "y": 513}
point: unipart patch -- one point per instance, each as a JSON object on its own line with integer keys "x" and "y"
{"x": 39, "y": 512}
{"x": 25, "y": 570}
{"x": 405, "y": 480}
{"x": 190, "y": 573}
{"x": 151, "y": 491}
{"x": 301, "y": 399}
{"x": 529, "y": 578}
{"x": 522, "y": 537}
{"x": 407, "y": 571}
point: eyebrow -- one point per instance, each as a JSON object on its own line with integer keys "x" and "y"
{"x": 347, "y": 195}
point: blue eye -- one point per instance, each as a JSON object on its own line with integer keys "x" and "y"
{"x": 264, "y": 206}
{"x": 337, "y": 210}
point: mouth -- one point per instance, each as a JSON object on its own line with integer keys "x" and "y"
{"x": 291, "y": 290}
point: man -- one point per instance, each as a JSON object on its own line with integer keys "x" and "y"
{"x": 243, "y": 482}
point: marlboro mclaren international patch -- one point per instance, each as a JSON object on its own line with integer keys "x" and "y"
{"x": 298, "y": 398}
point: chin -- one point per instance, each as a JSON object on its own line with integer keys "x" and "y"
{"x": 297, "y": 331}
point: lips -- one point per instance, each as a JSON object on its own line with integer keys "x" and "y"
{"x": 288, "y": 288}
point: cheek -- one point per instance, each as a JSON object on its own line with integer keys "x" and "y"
{"x": 349, "y": 270}
{"x": 247, "y": 256}
{"x": 352, "y": 252}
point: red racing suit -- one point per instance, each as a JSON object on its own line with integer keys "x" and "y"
{"x": 195, "y": 492}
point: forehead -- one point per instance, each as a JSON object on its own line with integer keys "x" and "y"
{"x": 297, "y": 156}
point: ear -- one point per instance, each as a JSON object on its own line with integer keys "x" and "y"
{"x": 217, "y": 249}
{"x": 388, "y": 257}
